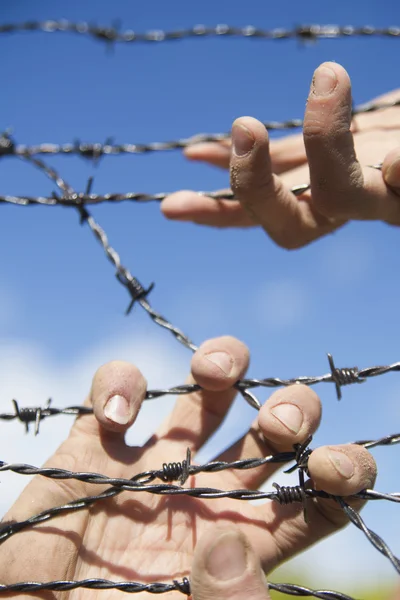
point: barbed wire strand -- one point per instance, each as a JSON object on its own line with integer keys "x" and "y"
{"x": 338, "y": 376}
{"x": 80, "y": 199}
{"x": 112, "y": 34}
{"x": 182, "y": 586}
{"x": 170, "y": 471}
{"x": 137, "y": 292}
{"x": 96, "y": 150}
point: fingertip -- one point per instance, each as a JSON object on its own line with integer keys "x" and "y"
{"x": 340, "y": 75}
{"x": 254, "y": 128}
{"x": 342, "y": 470}
{"x": 179, "y": 205}
{"x": 219, "y": 363}
{"x": 224, "y": 557}
{"x": 118, "y": 390}
{"x": 214, "y": 153}
{"x": 290, "y": 416}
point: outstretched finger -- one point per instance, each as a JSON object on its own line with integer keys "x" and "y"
{"x": 117, "y": 392}
{"x": 288, "y": 417}
{"x": 217, "y": 154}
{"x": 203, "y": 210}
{"x": 225, "y": 567}
{"x": 291, "y": 221}
{"x": 216, "y": 367}
{"x": 340, "y": 188}
{"x": 286, "y": 153}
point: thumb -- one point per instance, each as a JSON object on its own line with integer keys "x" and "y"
{"x": 225, "y": 567}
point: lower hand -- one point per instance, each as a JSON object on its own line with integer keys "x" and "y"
{"x": 147, "y": 538}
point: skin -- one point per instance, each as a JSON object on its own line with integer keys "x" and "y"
{"x": 332, "y": 153}
{"x": 147, "y": 538}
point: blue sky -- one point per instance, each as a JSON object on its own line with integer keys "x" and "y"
{"x": 60, "y": 305}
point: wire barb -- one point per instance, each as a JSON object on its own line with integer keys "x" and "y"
{"x": 344, "y": 376}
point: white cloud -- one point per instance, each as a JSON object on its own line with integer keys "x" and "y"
{"x": 281, "y": 303}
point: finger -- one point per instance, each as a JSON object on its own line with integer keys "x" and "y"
{"x": 217, "y": 154}
{"x": 216, "y": 366}
{"x": 286, "y": 153}
{"x": 117, "y": 392}
{"x": 288, "y": 417}
{"x": 331, "y": 472}
{"x": 203, "y": 210}
{"x": 391, "y": 170}
{"x": 225, "y": 567}
{"x": 290, "y": 221}
{"x": 340, "y": 189}
{"x": 342, "y": 471}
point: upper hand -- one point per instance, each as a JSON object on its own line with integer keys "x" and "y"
{"x": 148, "y": 538}
{"x": 333, "y": 154}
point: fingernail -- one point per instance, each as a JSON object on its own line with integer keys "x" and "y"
{"x": 289, "y": 415}
{"x": 324, "y": 81}
{"x": 222, "y": 360}
{"x": 117, "y": 410}
{"x": 227, "y": 558}
{"x": 392, "y": 175}
{"x": 242, "y": 140}
{"x": 342, "y": 463}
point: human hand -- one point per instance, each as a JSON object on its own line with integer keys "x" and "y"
{"x": 333, "y": 154}
{"x": 147, "y": 538}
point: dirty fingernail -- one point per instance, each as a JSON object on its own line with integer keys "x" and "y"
{"x": 227, "y": 558}
{"x": 324, "y": 81}
{"x": 117, "y": 410}
{"x": 342, "y": 463}
{"x": 222, "y": 360}
{"x": 289, "y": 415}
{"x": 242, "y": 140}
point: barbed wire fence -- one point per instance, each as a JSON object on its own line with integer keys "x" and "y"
{"x": 179, "y": 471}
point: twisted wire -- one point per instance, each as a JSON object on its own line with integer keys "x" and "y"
{"x": 183, "y": 586}
{"x": 36, "y": 414}
{"x": 112, "y": 34}
{"x": 95, "y": 151}
{"x": 80, "y": 199}
{"x": 282, "y": 494}
{"x": 137, "y": 292}
{"x": 373, "y": 537}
